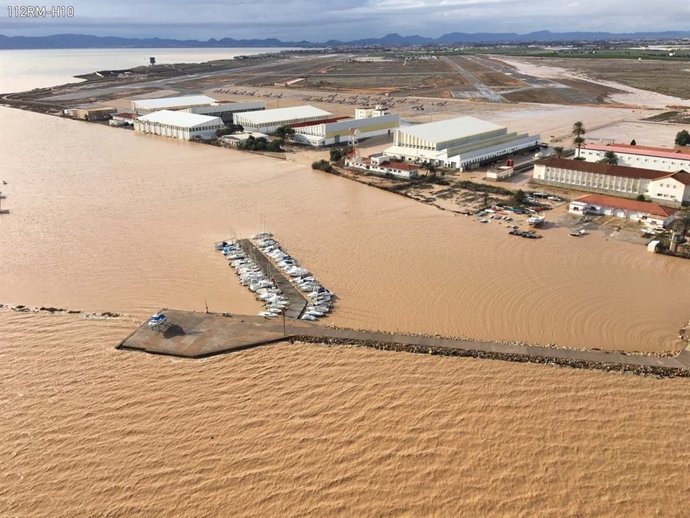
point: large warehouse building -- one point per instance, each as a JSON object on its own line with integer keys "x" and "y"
{"x": 226, "y": 111}
{"x": 341, "y": 130}
{"x": 660, "y": 186}
{"x": 185, "y": 126}
{"x": 657, "y": 158}
{"x": 462, "y": 143}
{"x": 267, "y": 121}
{"x": 144, "y": 106}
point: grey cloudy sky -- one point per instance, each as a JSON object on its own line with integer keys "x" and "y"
{"x": 321, "y": 20}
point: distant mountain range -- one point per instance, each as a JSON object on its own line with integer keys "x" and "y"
{"x": 81, "y": 41}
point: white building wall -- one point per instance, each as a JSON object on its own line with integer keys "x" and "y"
{"x": 381, "y": 169}
{"x": 424, "y": 151}
{"x": 339, "y": 132}
{"x": 207, "y": 131}
{"x": 642, "y": 161}
{"x": 579, "y": 207}
{"x": 272, "y": 126}
{"x": 665, "y": 189}
{"x": 589, "y": 181}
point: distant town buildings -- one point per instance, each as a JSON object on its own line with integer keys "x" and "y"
{"x": 177, "y": 124}
{"x": 651, "y": 214}
{"x": 268, "y": 121}
{"x": 461, "y": 143}
{"x": 660, "y": 186}
{"x": 656, "y": 158}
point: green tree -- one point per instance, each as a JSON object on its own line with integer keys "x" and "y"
{"x": 610, "y": 158}
{"x": 558, "y": 150}
{"x": 275, "y": 145}
{"x": 519, "y": 197}
{"x": 577, "y": 132}
{"x": 322, "y": 165}
{"x": 285, "y": 132}
{"x": 430, "y": 167}
{"x": 682, "y": 138}
{"x": 633, "y": 142}
{"x": 640, "y": 197}
{"x": 337, "y": 153}
{"x": 230, "y": 129}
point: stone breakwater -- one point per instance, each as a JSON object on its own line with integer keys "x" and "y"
{"x": 653, "y": 370}
{"x": 199, "y": 335}
{"x": 21, "y": 308}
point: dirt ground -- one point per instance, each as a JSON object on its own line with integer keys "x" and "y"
{"x": 666, "y": 77}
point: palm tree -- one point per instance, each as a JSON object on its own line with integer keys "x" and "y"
{"x": 558, "y": 150}
{"x": 578, "y": 131}
{"x": 610, "y": 158}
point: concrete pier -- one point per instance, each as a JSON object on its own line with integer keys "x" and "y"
{"x": 297, "y": 301}
{"x": 198, "y": 335}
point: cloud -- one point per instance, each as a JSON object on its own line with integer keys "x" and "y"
{"x": 321, "y": 20}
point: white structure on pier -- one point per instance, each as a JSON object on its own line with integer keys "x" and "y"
{"x": 462, "y": 143}
{"x": 185, "y": 126}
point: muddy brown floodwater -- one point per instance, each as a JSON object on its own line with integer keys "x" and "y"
{"x": 104, "y": 219}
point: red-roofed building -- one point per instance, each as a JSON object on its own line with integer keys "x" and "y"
{"x": 660, "y": 186}
{"x": 381, "y": 164}
{"x": 651, "y": 214}
{"x": 656, "y": 158}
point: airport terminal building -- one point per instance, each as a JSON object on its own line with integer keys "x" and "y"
{"x": 461, "y": 143}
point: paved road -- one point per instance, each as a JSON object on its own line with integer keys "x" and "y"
{"x": 482, "y": 89}
{"x": 167, "y": 82}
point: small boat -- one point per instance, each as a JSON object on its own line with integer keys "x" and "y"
{"x": 529, "y": 234}
{"x": 578, "y": 233}
{"x": 535, "y": 221}
{"x": 308, "y": 317}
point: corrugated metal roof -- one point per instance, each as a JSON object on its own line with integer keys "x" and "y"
{"x": 442, "y": 131}
{"x": 180, "y": 119}
{"x": 284, "y": 114}
{"x": 168, "y": 102}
